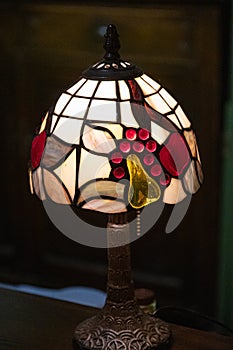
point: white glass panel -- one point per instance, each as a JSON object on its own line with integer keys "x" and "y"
{"x": 43, "y": 124}
{"x": 64, "y": 98}
{"x": 87, "y": 89}
{"x": 76, "y": 86}
{"x": 150, "y": 81}
{"x": 105, "y": 206}
{"x": 115, "y": 129}
{"x": 101, "y": 110}
{"x": 146, "y": 88}
{"x": 98, "y": 140}
{"x": 174, "y": 193}
{"x": 124, "y": 90}
{"x": 127, "y": 117}
{"x": 182, "y": 117}
{"x": 174, "y": 119}
{"x": 158, "y": 133}
{"x": 92, "y": 167}
{"x": 77, "y": 107}
{"x": 67, "y": 173}
{"x": 156, "y": 102}
{"x": 68, "y": 130}
{"x": 53, "y": 122}
{"x": 168, "y": 98}
{"x": 106, "y": 89}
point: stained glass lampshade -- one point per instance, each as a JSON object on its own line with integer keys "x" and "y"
{"x": 114, "y": 142}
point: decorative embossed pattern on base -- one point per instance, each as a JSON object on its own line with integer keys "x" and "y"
{"x": 101, "y": 333}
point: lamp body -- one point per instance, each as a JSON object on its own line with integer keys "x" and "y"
{"x": 121, "y": 324}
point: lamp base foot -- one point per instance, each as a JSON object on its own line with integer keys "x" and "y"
{"x": 102, "y": 332}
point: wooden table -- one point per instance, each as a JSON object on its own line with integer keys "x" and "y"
{"x": 30, "y": 322}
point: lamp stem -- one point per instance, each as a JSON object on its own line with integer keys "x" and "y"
{"x": 120, "y": 288}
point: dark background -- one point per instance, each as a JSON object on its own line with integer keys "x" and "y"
{"x": 44, "y": 48}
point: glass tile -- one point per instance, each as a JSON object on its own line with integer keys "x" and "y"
{"x": 105, "y": 206}
{"x": 68, "y": 130}
{"x": 191, "y": 183}
{"x": 76, "y": 86}
{"x": 168, "y": 98}
{"x": 158, "y": 133}
{"x": 174, "y": 193}
{"x": 174, "y": 119}
{"x": 146, "y": 88}
{"x": 43, "y": 124}
{"x": 102, "y": 110}
{"x": 182, "y": 117}
{"x": 87, "y": 89}
{"x": 67, "y": 173}
{"x": 54, "y": 188}
{"x": 54, "y": 152}
{"x": 38, "y": 183}
{"x": 53, "y": 122}
{"x": 191, "y": 140}
{"x": 127, "y": 117}
{"x": 98, "y": 140}
{"x": 150, "y": 81}
{"x": 61, "y": 103}
{"x": 156, "y": 102}
{"x": 92, "y": 167}
{"x": 124, "y": 90}
{"x": 77, "y": 107}
{"x": 106, "y": 89}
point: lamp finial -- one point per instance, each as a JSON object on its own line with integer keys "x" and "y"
{"x": 112, "y": 43}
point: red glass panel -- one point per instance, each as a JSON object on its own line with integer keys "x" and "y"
{"x": 135, "y": 90}
{"x": 119, "y": 172}
{"x": 143, "y": 134}
{"x": 151, "y": 145}
{"x": 131, "y": 134}
{"x": 37, "y": 149}
{"x": 149, "y": 159}
{"x": 174, "y": 155}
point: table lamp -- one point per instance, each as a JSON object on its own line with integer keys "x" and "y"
{"x": 113, "y": 144}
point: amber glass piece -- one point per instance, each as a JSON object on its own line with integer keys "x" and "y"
{"x": 143, "y": 189}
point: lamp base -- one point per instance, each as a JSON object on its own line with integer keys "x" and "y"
{"x": 104, "y": 331}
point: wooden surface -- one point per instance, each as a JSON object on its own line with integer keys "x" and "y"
{"x": 29, "y": 322}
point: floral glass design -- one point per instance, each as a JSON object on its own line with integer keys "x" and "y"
{"x": 114, "y": 146}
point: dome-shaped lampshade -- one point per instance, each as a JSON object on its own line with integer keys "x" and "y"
{"x": 114, "y": 141}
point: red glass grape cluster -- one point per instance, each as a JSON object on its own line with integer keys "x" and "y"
{"x": 140, "y": 143}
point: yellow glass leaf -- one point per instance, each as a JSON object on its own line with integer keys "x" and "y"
{"x": 143, "y": 189}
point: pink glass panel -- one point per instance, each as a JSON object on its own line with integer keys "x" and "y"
{"x": 116, "y": 157}
{"x": 149, "y": 159}
{"x": 138, "y": 147}
{"x": 125, "y": 146}
{"x": 156, "y": 170}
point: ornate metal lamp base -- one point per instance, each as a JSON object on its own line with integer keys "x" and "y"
{"x": 103, "y": 332}
{"x": 121, "y": 324}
